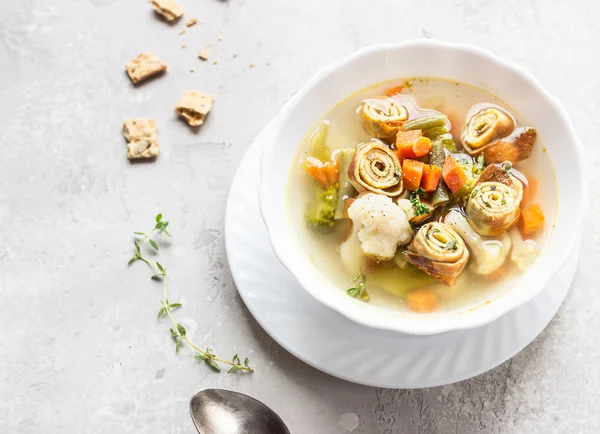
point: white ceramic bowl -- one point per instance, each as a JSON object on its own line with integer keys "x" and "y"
{"x": 423, "y": 58}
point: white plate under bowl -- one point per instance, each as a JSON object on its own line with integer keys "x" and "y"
{"x": 340, "y": 347}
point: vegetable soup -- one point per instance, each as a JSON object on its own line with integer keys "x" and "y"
{"x": 422, "y": 195}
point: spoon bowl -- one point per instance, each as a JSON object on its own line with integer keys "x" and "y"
{"x": 218, "y": 411}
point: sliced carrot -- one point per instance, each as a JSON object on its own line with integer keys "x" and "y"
{"x": 531, "y": 220}
{"x": 394, "y": 90}
{"x": 431, "y": 177}
{"x": 349, "y": 202}
{"x": 530, "y": 191}
{"x": 412, "y": 171}
{"x": 405, "y": 142}
{"x": 422, "y": 300}
{"x": 324, "y": 173}
{"x": 422, "y": 146}
{"x": 454, "y": 176}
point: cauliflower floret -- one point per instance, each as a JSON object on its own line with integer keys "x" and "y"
{"x": 380, "y": 225}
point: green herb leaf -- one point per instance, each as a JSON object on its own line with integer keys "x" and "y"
{"x": 174, "y": 334}
{"x": 234, "y": 368}
{"x": 137, "y": 248}
{"x": 451, "y": 245}
{"x": 160, "y": 267}
{"x": 157, "y": 277}
{"x": 474, "y": 192}
{"x": 139, "y": 233}
{"x": 358, "y": 290}
{"x": 507, "y": 166}
{"x": 167, "y": 233}
{"x": 214, "y": 365}
{"x": 177, "y": 346}
{"x": 480, "y": 164}
{"x": 247, "y": 362}
{"x": 158, "y": 217}
{"x": 161, "y": 312}
{"x": 181, "y": 329}
{"x": 174, "y": 305}
{"x": 418, "y": 207}
{"x": 132, "y": 260}
{"x": 235, "y": 359}
{"x": 152, "y": 243}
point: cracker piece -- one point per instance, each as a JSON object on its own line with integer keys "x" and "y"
{"x": 193, "y": 107}
{"x": 169, "y": 9}
{"x": 144, "y": 66}
{"x": 142, "y": 135}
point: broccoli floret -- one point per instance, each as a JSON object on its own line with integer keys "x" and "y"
{"x": 321, "y": 215}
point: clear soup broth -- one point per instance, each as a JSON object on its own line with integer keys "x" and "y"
{"x": 367, "y": 190}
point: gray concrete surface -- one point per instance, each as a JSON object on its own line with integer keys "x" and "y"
{"x": 80, "y": 348}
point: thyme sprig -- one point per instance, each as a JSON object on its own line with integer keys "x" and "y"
{"x": 167, "y": 307}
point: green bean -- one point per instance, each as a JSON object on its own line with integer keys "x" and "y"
{"x": 437, "y": 156}
{"x": 345, "y": 189}
{"x": 426, "y": 122}
{"x": 319, "y": 148}
{"x": 440, "y": 196}
{"x": 434, "y": 132}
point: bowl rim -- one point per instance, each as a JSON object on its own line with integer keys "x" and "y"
{"x": 426, "y": 326}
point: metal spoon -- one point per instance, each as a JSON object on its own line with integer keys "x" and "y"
{"x": 218, "y": 411}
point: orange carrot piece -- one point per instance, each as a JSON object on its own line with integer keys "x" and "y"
{"x": 431, "y": 177}
{"x": 453, "y": 174}
{"x": 394, "y": 90}
{"x": 530, "y": 191}
{"x": 349, "y": 202}
{"x": 422, "y": 300}
{"x": 422, "y": 146}
{"x": 412, "y": 171}
{"x": 531, "y": 220}
{"x": 405, "y": 141}
{"x": 324, "y": 173}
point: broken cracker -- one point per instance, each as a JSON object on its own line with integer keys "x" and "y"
{"x": 191, "y": 21}
{"x": 169, "y": 9}
{"x": 141, "y": 133}
{"x": 203, "y": 54}
{"x": 144, "y": 66}
{"x": 193, "y": 107}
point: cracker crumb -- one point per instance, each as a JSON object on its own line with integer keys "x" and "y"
{"x": 215, "y": 62}
{"x": 192, "y": 69}
{"x": 182, "y": 31}
{"x": 144, "y": 66}
{"x": 191, "y": 21}
{"x": 235, "y": 55}
{"x": 168, "y": 9}
{"x": 220, "y": 37}
{"x": 141, "y": 133}
{"x": 193, "y": 107}
{"x": 183, "y": 46}
{"x": 203, "y": 54}
{"x": 251, "y": 65}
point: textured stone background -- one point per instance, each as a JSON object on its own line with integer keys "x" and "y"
{"x": 80, "y": 349}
